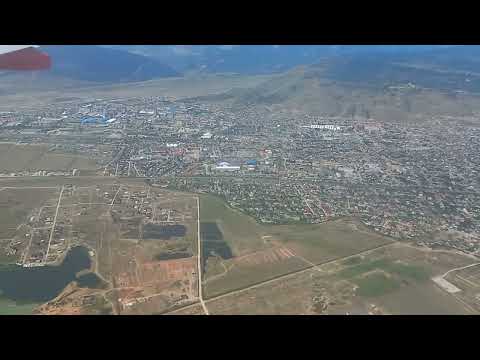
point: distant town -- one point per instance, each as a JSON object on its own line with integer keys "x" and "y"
{"x": 419, "y": 182}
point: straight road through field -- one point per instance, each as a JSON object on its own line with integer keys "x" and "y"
{"x": 115, "y": 197}
{"x": 283, "y": 277}
{"x": 53, "y": 226}
{"x": 28, "y": 187}
{"x": 199, "y": 261}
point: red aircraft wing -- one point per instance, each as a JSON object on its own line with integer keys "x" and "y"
{"x": 23, "y": 57}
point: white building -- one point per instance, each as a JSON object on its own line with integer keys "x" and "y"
{"x": 224, "y": 166}
{"x": 207, "y": 135}
{"x": 325, "y": 127}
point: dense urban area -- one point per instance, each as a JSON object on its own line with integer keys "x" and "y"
{"x": 418, "y": 182}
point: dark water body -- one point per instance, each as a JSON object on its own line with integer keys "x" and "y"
{"x": 163, "y": 232}
{"x": 209, "y": 231}
{"x": 41, "y": 284}
{"x": 91, "y": 280}
{"x": 172, "y": 255}
{"x": 213, "y": 243}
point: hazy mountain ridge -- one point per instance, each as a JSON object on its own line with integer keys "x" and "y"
{"x": 315, "y": 90}
{"x": 258, "y": 59}
{"x": 99, "y": 64}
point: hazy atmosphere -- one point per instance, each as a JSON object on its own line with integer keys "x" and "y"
{"x": 239, "y": 179}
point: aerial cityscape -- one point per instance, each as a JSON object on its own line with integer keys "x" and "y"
{"x": 293, "y": 192}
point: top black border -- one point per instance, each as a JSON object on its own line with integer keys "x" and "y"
{"x": 203, "y": 23}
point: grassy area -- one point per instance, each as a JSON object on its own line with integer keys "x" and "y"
{"x": 241, "y": 232}
{"x": 16, "y": 204}
{"x": 323, "y": 242}
{"x": 412, "y": 272}
{"x": 242, "y": 276}
{"x": 6, "y": 259}
{"x": 376, "y": 284}
{"x": 8, "y": 307}
{"x": 15, "y": 157}
{"x": 404, "y": 271}
{"x": 101, "y": 307}
{"x": 317, "y": 243}
{"x": 59, "y": 161}
{"x": 20, "y": 157}
{"x": 353, "y": 261}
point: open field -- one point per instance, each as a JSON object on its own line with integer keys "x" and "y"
{"x": 323, "y": 242}
{"x": 336, "y": 267}
{"x": 196, "y": 309}
{"x": 260, "y": 252}
{"x": 8, "y": 307}
{"x": 391, "y": 280}
{"x": 184, "y": 87}
{"x": 15, "y": 157}
{"x": 58, "y": 181}
{"x": 239, "y": 231}
{"x": 17, "y": 204}
{"x": 468, "y": 281}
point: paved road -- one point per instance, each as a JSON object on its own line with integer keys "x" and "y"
{"x": 459, "y": 268}
{"x": 53, "y": 226}
{"x": 199, "y": 261}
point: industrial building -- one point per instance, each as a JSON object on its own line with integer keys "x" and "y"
{"x": 324, "y": 127}
{"x": 207, "y": 135}
{"x": 225, "y": 166}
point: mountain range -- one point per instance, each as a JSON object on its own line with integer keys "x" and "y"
{"x": 101, "y": 64}
{"x": 446, "y": 68}
{"x": 259, "y": 59}
{"x": 392, "y": 87}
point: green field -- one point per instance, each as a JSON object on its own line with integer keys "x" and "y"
{"x": 376, "y": 284}
{"x": 241, "y": 232}
{"x": 239, "y": 276}
{"x": 323, "y": 242}
{"x": 404, "y": 271}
